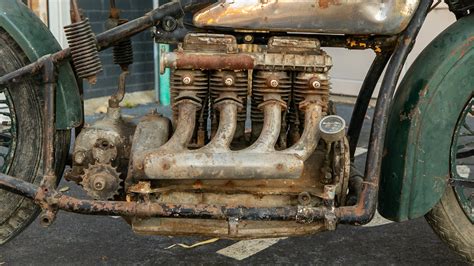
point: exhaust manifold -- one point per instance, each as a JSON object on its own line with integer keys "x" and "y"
{"x": 217, "y": 161}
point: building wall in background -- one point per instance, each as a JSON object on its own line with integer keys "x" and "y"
{"x": 142, "y": 71}
{"x": 350, "y": 67}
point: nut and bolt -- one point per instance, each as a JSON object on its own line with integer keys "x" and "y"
{"x": 229, "y": 81}
{"x": 187, "y": 80}
{"x": 316, "y": 84}
{"x": 274, "y": 83}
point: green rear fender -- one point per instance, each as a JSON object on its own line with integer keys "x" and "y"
{"x": 416, "y": 164}
{"x": 36, "y": 41}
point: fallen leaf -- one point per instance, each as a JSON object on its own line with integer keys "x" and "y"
{"x": 210, "y": 241}
{"x": 64, "y": 189}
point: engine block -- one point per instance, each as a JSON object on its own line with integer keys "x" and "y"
{"x": 249, "y": 128}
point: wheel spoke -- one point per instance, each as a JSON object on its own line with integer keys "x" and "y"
{"x": 463, "y": 149}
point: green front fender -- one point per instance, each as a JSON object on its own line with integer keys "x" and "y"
{"x": 428, "y": 103}
{"x": 36, "y": 40}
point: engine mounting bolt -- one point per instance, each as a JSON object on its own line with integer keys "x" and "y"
{"x": 229, "y": 81}
{"x": 274, "y": 83}
{"x": 187, "y": 80}
{"x": 316, "y": 84}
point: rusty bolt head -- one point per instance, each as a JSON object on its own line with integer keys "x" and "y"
{"x": 304, "y": 198}
{"x": 273, "y": 83}
{"x": 316, "y": 84}
{"x": 229, "y": 81}
{"x": 187, "y": 80}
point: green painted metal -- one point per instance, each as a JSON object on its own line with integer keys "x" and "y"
{"x": 165, "y": 98}
{"x": 36, "y": 40}
{"x": 416, "y": 164}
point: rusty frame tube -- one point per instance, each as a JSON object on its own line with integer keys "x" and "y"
{"x": 365, "y": 208}
{"x": 49, "y": 127}
{"x": 363, "y": 99}
{"x": 111, "y": 37}
{"x": 144, "y": 210}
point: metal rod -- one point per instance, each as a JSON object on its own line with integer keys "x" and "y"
{"x": 364, "y": 210}
{"x": 117, "y": 98}
{"x": 363, "y": 99}
{"x": 136, "y": 209}
{"x": 49, "y": 127}
{"x": 75, "y": 13}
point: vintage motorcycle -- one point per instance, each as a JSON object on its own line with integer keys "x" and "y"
{"x": 255, "y": 147}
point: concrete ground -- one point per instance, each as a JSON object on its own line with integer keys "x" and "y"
{"x": 86, "y": 240}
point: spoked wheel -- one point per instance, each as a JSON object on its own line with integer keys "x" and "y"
{"x": 453, "y": 217}
{"x": 21, "y": 140}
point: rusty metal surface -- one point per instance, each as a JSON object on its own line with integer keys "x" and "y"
{"x": 181, "y": 60}
{"x": 321, "y": 16}
{"x": 85, "y": 55}
{"x": 223, "y": 229}
{"x": 118, "y": 96}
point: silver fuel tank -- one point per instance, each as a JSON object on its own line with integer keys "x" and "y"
{"x": 380, "y": 17}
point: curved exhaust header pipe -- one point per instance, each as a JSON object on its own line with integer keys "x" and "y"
{"x": 217, "y": 161}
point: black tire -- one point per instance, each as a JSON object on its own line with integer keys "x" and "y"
{"x": 451, "y": 224}
{"x": 16, "y": 212}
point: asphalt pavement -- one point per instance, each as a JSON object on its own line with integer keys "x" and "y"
{"x": 89, "y": 240}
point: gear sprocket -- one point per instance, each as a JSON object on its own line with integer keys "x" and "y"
{"x": 101, "y": 181}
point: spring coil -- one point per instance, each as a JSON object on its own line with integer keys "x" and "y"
{"x": 123, "y": 51}
{"x": 85, "y": 55}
